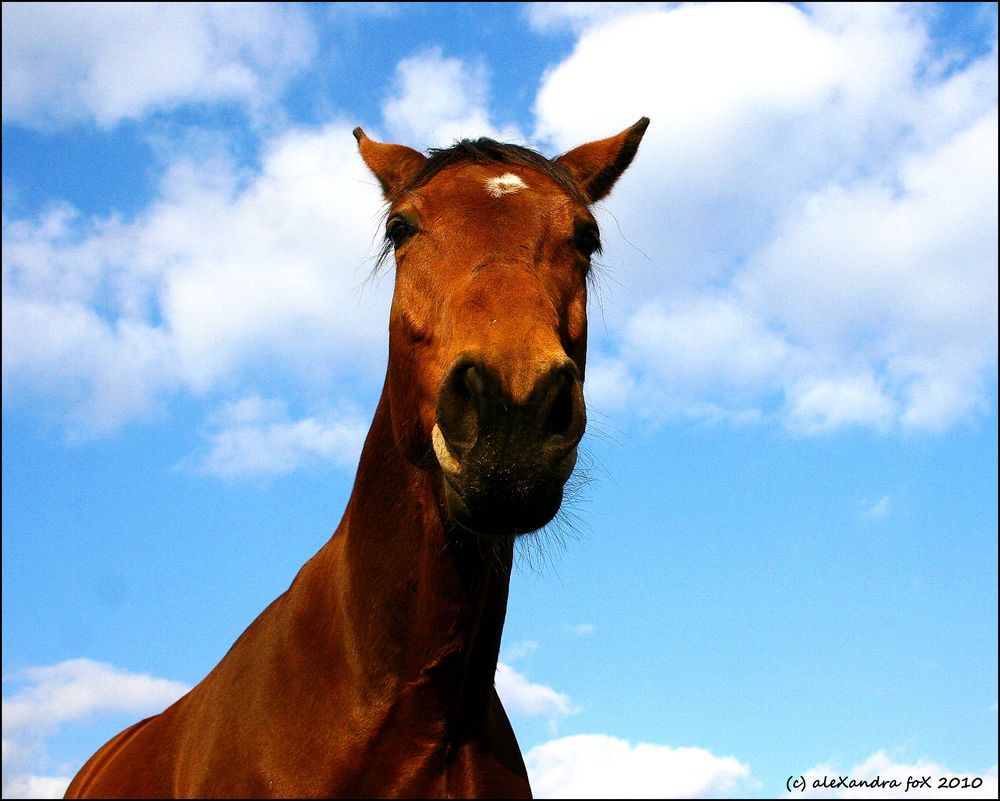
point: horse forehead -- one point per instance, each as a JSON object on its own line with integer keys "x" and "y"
{"x": 500, "y": 188}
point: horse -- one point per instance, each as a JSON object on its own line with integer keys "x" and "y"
{"x": 373, "y": 674}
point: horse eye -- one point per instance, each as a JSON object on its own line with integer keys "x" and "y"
{"x": 587, "y": 240}
{"x": 398, "y": 230}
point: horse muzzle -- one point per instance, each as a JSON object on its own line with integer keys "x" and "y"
{"x": 505, "y": 464}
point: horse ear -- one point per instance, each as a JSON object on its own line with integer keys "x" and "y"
{"x": 393, "y": 165}
{"x": 597, "y": 165}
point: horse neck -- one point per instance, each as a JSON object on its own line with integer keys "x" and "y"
{"x": 414, "y": 605}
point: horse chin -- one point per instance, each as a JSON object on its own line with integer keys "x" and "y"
{"x": 487, "y": 518}
{"x": 476, "y": 502}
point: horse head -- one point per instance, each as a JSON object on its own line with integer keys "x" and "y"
{"x": 488, "y": 327}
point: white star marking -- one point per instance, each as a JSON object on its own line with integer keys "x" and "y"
{"x": 506, "y": 184}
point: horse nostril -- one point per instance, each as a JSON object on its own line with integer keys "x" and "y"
{"x": 560, "y": 414}
{"x": 461, "y": 405}
{"x": 474, "y": 380}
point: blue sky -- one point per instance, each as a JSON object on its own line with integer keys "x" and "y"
{"x": 785, "y": 561}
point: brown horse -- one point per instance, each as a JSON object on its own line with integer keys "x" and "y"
{"x": 372, "y": 675}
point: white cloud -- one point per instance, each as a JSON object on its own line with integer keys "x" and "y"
{"x": 600, "y": 766}
{"x": 576, "y": 17}
{"x": 903, "y": 276}
{"x": 74, "y": 690}
{"x": 224, "y": 274}
{"x": 108, "y": 371}
{"x": 880, "y": 509}
{"x": 518, "y": 650}
{"x": 609, "y": 383}
{"x": 692, "y": 356}
{"x": 705, "y": 342}
{"x": 66, "y": 63}
{"x": 256, "y": 437}
{"x": 272, "y": 271}
{"x": 881, "y": 776}
{"x": 711, "y": 66}
{"x": 810, "y": 225}
{"x": 438, "y": 100}
{"x": 18, "y": 786}
{"x": 523, "y": 697}
{"x": 819, "y": 405}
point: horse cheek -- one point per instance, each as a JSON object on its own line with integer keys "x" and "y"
{"x": 576, "y": 331}
{"x": 407, "y": 391}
